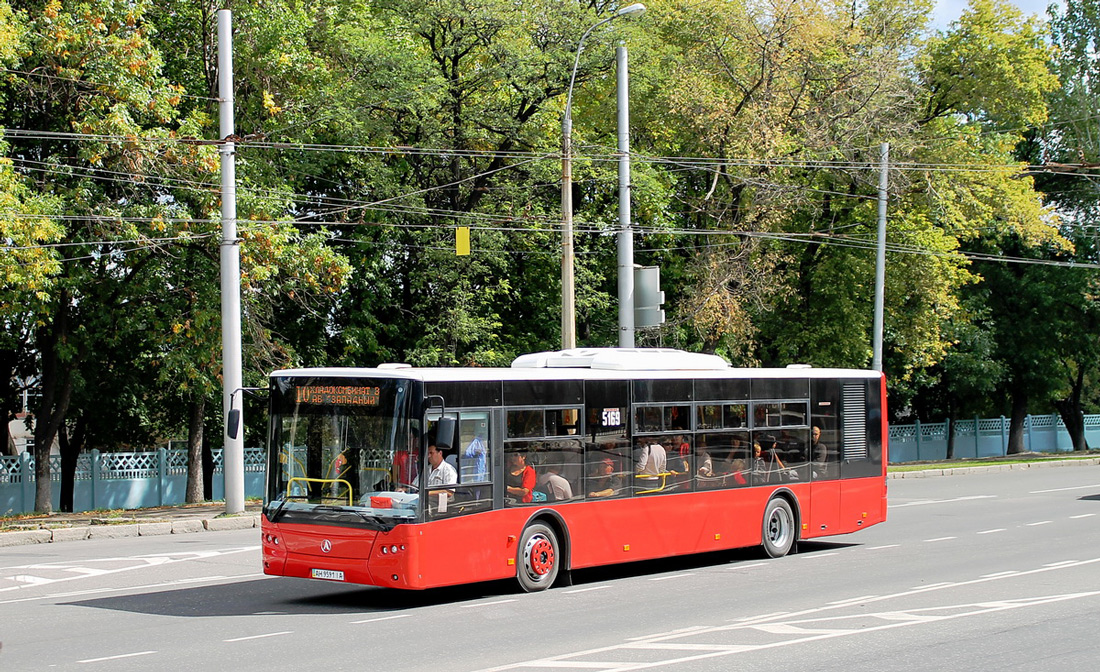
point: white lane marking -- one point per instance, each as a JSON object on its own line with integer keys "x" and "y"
{"x": 999, "y": 529}
{"x": 1059, "y": 564}
{"x": 120, "y": 589}
{"x": 850, "y": 600}
{"x": 1083, "y": 515}
{"x": 816, "y": 555}
{"x": 485, "y": 604}
{"x": 931, "y": 586}
{"x": 788, "y": 629}
{"x": 999, "y": 574}
{"x": 671, "y": 633}
{"x": 674, "y": 576}
{"x": 122, "y": 655}
{"x": 761, "y": 617}
{"x": 263, "y": 636}
{"x": 929, "y": 541}
{"x": 145, "y": 561}
{"x": 381, "y": 618}
{"x": 661, "y": 646}
{"x": 1076, "y": 487}
{"x": 925, "y": 502}
{"x": 1041, "y": 522}
{"x": 584, "y": 590}
{"x": 879, "y": 548}
{"x": 755, "y": 564}
{"x": 802, "y": 631}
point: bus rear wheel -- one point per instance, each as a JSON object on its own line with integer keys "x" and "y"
{"x": 778, "y": 537}
{"x": 539, "y": 558}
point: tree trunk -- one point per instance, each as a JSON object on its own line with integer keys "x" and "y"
{"x": 57, "y": 387}
{"x": 1016, "y": 424}
{"x": 195, "y": 480}
{"x": 207, "y": 467}
{"x": 70, "y": 455}
{"x": 1072, "y": 414}
{"x": 950, "y": 438}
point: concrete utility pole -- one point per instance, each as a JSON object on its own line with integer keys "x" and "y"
{"x": 626, "y": 232}
{"x": 568, "y": 293}
{"x": 230, "y": 257}
{"x": 880, "y": 256}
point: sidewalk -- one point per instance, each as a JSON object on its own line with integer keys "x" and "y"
{"x": 187, "y": 519}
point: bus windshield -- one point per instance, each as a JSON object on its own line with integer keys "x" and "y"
{"x": 342, "y": 450}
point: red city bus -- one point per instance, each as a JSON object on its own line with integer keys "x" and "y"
{"x": 567, "y": 460}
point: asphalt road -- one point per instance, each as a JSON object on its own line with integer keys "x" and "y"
{"x": 995, "y": 571}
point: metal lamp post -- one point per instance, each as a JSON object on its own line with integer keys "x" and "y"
{"x": 568, "y": 302}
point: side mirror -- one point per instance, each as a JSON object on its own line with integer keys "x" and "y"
{"x": 445, "y": 432}
{"x": 233, "y": 423}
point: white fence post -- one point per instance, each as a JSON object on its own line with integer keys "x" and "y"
{"x": 26, "y": 487}
{"x": 96, "y": 468}
{"x": 162, "y": 476}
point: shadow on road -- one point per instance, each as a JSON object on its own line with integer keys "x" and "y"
{"x": 267, "y": 597}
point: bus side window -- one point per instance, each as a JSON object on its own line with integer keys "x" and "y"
{"x": 475, "y": 458}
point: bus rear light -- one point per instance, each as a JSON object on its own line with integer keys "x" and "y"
{"x": 393, "y": 549}
{"x": 394, "y": 577}
{"x": 385, "y": 550}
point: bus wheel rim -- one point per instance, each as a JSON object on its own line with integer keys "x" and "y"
{"x": 540, "y": 556}
{"x": 778, "y": 527}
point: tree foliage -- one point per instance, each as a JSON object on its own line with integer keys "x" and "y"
{"x": 369, "y": 132}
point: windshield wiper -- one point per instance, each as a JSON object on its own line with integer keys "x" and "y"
{"x": 383, "y": 524}
{"x": 274, "y": 515}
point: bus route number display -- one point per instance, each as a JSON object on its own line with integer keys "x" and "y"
{"x": 611, "y": 417}
{"x": 340, "y": 395}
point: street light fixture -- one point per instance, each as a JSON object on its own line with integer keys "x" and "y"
{"x": 568, "y": 302}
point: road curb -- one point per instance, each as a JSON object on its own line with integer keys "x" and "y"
{"x": 119, "y": 531}
{"x": 985, "y": 469}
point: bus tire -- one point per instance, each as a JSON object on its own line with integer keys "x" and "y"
{"x": 778, "y": 528}
{"x": 539, "y": 558}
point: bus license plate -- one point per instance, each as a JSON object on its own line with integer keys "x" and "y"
{"x": 328, "y": 574}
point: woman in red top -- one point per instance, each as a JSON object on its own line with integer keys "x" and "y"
{"x": 521, "y": 478}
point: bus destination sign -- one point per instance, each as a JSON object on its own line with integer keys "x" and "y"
{"x": 341, "y": 395}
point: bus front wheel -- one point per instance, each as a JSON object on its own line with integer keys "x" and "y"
{"x": 778, "y": 528}
{"x": 539, "y": 558}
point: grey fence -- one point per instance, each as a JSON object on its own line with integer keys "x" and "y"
{"x": 120, "y": 480}
{"x": 984, "y": 437}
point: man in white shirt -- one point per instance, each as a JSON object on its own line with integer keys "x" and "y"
{"x": 555, "y": 485}
{"x": 650, "y": 459}
{"x": 441, "y": 473}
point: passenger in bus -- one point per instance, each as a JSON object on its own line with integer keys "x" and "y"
{"x": 477, "y": 450}
{"x": 440, "y": 473}
{"x": 702, "y": 458}
{"x": 766, "y": 463}
{"x": 650, "y": 458}
{"x": 521, "y": 480}
{"x": 737, "y": 472}
{"x": 556, "y": 487}
{"x": 819, "y": 452}
{"x": 681, "y": 449}
{"x": 405, "y": 473}
{"x": 603, "y": 482}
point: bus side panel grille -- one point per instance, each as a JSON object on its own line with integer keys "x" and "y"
{"x": 855, "y": 426}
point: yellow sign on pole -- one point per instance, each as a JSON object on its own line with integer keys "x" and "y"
{"x": 462, "y": 241}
